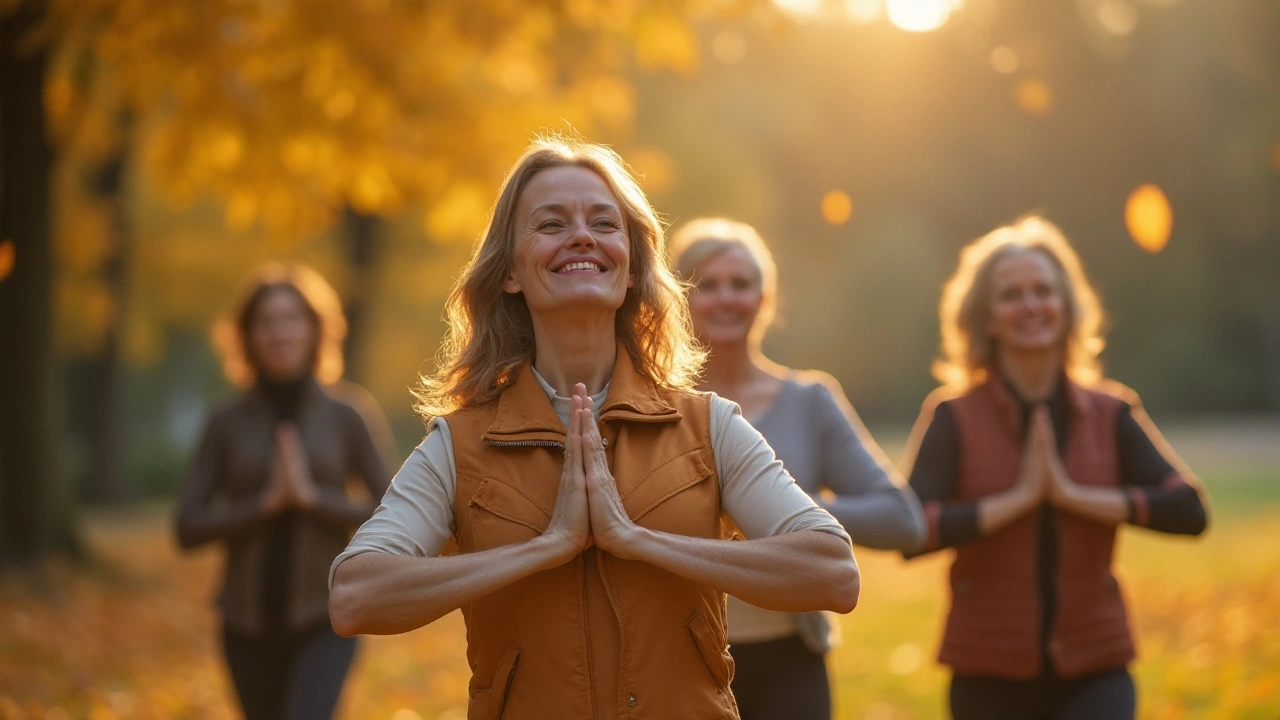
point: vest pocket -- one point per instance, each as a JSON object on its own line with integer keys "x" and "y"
{"x": 502, "y": 515}
{"x": 491, "y": 702}
{"x": 712, "y": 649}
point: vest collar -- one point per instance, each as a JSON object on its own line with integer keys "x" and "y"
{"x": 1010, "y": 406}
{"x": 525, "y": 415}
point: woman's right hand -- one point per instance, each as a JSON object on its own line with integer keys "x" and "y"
{"x": 570, "y": 525}
{"x": 1033, "y": 477}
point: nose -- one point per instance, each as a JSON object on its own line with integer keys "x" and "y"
{"x": 580, "y": 235}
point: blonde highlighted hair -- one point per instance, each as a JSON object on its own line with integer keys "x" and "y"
{"x": 968, "y": 351}
{"x": 700, "y": 239}
{"x": 490, "y": 332}
{"x": 324, "y": 308}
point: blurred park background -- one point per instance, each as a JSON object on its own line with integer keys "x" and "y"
{"x": 154, "y": 151}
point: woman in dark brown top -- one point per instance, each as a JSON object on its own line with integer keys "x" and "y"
{"x": 1027, "y": 463}
{"x": 269, "y": 481}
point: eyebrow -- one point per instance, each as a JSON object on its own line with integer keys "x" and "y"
{"x": 561, "y": 208}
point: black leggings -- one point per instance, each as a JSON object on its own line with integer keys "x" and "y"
{"x": 288, "y": 675}
{"x": 780, "y": 680}
{"x": 1107, "y": 695}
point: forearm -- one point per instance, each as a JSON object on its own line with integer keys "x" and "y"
{"x": 1103, "y": 504}
{"x": 795, "y": 572}
{"x": 200, "y": 525}
{"x": 888, "y": 519}
{"x": 998, "y": 510}
{"x": 382, "y": 594}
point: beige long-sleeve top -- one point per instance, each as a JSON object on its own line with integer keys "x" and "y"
{"x": 416, "y": 514}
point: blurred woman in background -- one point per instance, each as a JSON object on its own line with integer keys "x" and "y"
{"x": 1026, "y": 462}
{"x": 816, "y": 434}
{"x": 269, "y": 482}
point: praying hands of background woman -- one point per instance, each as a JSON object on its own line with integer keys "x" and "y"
{"x": 289, "y": 482}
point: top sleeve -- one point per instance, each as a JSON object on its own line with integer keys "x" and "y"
{"x": 873, "y": 509}
{"x": 202, "y": 515}
{"x": 416, "y": 514}
{"x": 1160, "y": 497}
{"x": 934, "y": 475}
{"x": 755, "y": 490}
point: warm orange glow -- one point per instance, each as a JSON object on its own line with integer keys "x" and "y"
{"x": 1149, "y": 218}
{"x": 1117, "y": 17}
{"x": 807, "y": 8}
{"x": 836, "y": 207}
{"x": 656, "y": 169}
{"x": 920, "y": 15}
{"x": 1004, "y": 60}
{"x": 864, "y": 11}
{"x": 1034, "y": 97}
{"x": 729, "y": 47}
{"x": 7, "y": 257}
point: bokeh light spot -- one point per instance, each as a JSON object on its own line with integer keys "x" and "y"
{"x": 906, "y": 659}
{"x": 864, "y": 11}
{"x": 920, "y": 15}
{"x": 1034, "y": 97}
{"x": 837, "y": 208}
{"x": 656, "y": 169}
{"x": 7, "y": 258}
{"x": 729, "y": 47}
{"x": 1149, "y": 217}
{"x": 1004, "y": 60}
{"x": 1117, "y": 17}
{"x": 806, "y": 8}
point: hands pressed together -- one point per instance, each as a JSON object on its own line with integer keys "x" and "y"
{"x": 588, "y": 508}
{"x": 289, "y": 483}
{"x": 1043, "y": 476}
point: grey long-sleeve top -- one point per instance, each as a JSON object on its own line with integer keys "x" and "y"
{"x": 823, "y": 445}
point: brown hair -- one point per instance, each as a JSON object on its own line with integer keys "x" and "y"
{"x": 231, "y": 333}
{"x": 968, "y": 352}
{"x": 698, "y": 240}
{"x": 490, "y": 332}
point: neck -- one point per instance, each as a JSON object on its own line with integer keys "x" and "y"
{"x": 1033, "y": 374}
{"x": 575, "y": 349}
{"x": 731, "y": 366}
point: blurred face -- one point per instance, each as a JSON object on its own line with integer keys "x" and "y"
{"x": 1028, "y": 308}
{"x": 571, "y": 246}
{"x": 282, "y": 337}
{"x": 727, "y": 297}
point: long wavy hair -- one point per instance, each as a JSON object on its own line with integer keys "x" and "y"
{"x": 490, "y": 332}
{"x": 700, "y": 239}
{"x": 968, "y": 351}
{"x": 323, "y": 308}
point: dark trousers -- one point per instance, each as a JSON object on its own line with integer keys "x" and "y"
{"x": 780, "y": 680}
{"x": 288, "y": 674}
{"x": 1107, "y": 695}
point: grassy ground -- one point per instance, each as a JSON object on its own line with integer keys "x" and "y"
{"x": 133, "y": 635}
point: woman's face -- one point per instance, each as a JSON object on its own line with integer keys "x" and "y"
{"x": 727, "y": 297}
{"x": 282, "y": 336}
{"x": 571, "y": 246}
{"x": 1028, "y": 308}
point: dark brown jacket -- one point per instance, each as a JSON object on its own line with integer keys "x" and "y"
{"x": 598, "y": 636}
{"x": 221, "y": 498}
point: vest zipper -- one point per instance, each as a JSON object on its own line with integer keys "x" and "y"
{"x": 523, "y": 443}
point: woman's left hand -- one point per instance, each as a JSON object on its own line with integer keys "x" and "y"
{"x": 1062, "y": 489}
{"x": 297, "y": 471}
{"x": 611, "y": 527}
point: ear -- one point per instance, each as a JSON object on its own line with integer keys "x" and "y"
{"x": 511, "y": 285}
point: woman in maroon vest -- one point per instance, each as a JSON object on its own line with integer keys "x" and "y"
{"x": 1026, "y": 462}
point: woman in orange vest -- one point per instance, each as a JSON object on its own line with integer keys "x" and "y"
{"x": 1026, "y": 462}
{"x": 587, "y": 486}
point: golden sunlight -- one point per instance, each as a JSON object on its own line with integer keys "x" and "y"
{"x": 729, "y": 47}
{"x": 1034, "y": 97}
{"x": 805, "y": 8}
{"x": 920, "y": 15}
{"x": 1004, "y": 60}
{"x": 864, "y": 11}
{"x": 837, "y": 208}
{"x": 1149, "y": 217}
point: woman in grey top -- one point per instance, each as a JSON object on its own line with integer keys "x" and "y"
{"x": 805, "y": 417}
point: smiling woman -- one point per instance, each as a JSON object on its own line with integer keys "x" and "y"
{"x": 586, "y": 485}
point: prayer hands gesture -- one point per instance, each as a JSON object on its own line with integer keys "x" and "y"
{"x": 588, "y": 508}
{"x": 1043, "y": 476}
{"x": 289, "y": 483}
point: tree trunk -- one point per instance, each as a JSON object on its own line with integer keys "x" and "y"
{"x": 35, "y": 517}
{"x": 361, "y": 234}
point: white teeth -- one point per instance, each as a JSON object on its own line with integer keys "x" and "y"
{"x": 580, "y": 266}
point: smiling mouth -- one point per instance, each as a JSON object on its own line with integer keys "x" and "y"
{"x": 581, "y": 266}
